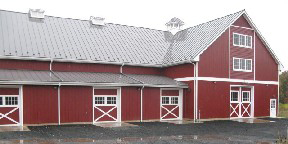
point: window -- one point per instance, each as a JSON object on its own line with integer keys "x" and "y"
{"x": 234, "y": 96}
{"x": 242, "y": 40}
{"x": 240, "y": 64}
{"x": 273, "y": 104}
{"x": 99, "y": 100}
{"x": 245, "y": 96}
{"x": 165, "y": 100}
{"x": 11, "y": 100}
{"x": 111, "y": 100}
{"x": 1, "y": 100}
{"x": 174, "y": 100}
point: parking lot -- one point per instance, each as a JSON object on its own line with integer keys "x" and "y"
{"x": 156, "y": 132}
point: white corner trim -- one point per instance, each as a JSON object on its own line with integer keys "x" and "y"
{"x": 227, "y": 80}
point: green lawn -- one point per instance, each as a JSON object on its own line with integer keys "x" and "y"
{"x": 283, "y": 110}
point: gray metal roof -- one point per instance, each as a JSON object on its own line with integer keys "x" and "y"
{"x": 85, "y": 77}
{"x": 71, "y": 39}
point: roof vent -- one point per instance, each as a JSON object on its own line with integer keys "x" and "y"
{"x": 97, "y": 21}
{"x": 36, "y": 13}
{"x": 174, "y": 25}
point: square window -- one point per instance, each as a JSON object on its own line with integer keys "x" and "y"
{"x": 165, "y": 100}
{"x": 174, "y": 100}
{"x": 234, "y": 96}
{"x": 273, "y": 104}
{"x": 245, "y": 96}
{"x": 99, "y": 100}
{"x": 111, "y": 100}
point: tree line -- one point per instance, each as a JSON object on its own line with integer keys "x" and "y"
{"x": 283, "y": 89}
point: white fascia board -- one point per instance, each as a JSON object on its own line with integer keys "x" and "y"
{"x": 6, "y": 83}
{"x": 227, "y": 80}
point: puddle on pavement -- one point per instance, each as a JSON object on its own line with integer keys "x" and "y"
{"x": 180, "y": 121}
{"x": 252, "y": 120}
{"x": 115, "y": 124}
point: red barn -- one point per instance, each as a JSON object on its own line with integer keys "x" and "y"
{"x": 59, "y": 71}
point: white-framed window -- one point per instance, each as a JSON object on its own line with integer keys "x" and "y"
{"x": 170, "y": 100}
{"x": 8, "y": 100}
{"x": 105, "y": 100}
{"x": 273, "y": 103}
{"x": 245, "y": 96}
{"x": 234, "y": 96}
{"x": 242, "y": 40}
{"x": 240, "y": 64}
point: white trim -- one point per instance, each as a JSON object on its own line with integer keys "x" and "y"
{"x": 254, "y": 48}
{"x": 229, "y": 43}
{"x": 249, "y": 97}
{"x": 179, "y": 105}
{"x": 240, "y": 64}
{"x": 238, "y": 96}
{"x": 245, "y": 40}
{"x": 242, "y": 27}
{"x": 227, "y": 80}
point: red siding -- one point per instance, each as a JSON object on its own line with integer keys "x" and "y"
{"x": 188, "y": 101}
{"x": 214, "y": 62}
{"x": 263, "y": 94}
{"x": 40, "y": 104}
{"x": 130, "y": 103}
{"x": 170, "y": 92}
{"x": 241, "y": 52}
{"x": 105, "y": 91}
{"x": 151, "y": 104}
{"x": 142, "y": 70}
{"x": 179, "y": 71}
{"x": 242, "y": 22}
{"x": 76, "y": 104}
{"x": 9, "y": 91}
{"x": 85, "y": 67}
{"x": 214, "y": 99}
{"x": 98, "y": 113}
{"x": 266, "y": 67}
{"x": 24, "y": 64}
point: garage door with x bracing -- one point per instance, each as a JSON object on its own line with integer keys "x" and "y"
{"x": 9, "y": 106}
{"x": 171, "y": 104}
{"x": 240, "y": 102}
{"x": 106, "y": 105}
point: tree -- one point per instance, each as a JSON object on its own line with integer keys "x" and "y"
{"x": 283, "y": 90}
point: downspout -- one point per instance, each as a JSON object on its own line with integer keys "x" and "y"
{"x": 141, "y": 104}
{"x": 194, "y": 88}
{"x": 50, "y": 67}
{"x": 121, "y": 68}
{"x": 59, "y": 120}
{"x": 195, "y": 91}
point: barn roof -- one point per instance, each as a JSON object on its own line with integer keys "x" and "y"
{"x": 85, "y": 78}
{"x": 66, "y": 39}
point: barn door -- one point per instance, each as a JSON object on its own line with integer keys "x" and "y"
{"x": 240, "y": 102}
{"x": 10, "y": 112}
{"x": 106, "y": 105}
{"x": 171, "y": 104}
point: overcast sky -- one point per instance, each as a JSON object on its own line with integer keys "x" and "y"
{"x": 271, "y": 17}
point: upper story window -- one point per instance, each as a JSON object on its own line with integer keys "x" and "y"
{"x": 242, "y": 40}
{"x": 240, "y": 64}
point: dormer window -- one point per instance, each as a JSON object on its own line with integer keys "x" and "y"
{"x": 242, "y": 40}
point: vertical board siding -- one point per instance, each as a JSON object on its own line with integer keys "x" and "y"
{"x": 170, "y": 92}
{"x": 151, "y": 104}
{"x": 40, "y": 104}
{"x": 9, "y": 91}
{"x": 263, "y": 94}
{"x": 85, "y": 67}
{"x": 179, "y": 71}
{"x": 241, "y": 52}
{"x": 266, "y": 66}
{"x": 214, "y": 99}
{"x": 130, "y": 103}
{"x": 105, "y": 91}
{"x": 188, "y": 101}
{"x": 14, "y": 115}
{"x": 76, "y": 104}
{"x": 24, "y": 64}
{"x": 142, "y": 70}
{"x": 242, "y": 22}
{"x": 214, "y": 61}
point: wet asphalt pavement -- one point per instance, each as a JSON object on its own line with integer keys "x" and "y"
{"x": 155, "y": 132}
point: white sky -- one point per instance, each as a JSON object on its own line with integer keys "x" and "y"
{"x": 271, "y": 17}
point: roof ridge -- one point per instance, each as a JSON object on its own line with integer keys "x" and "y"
{"x": 212, "y": 20}
{"x": 88, "y": 21}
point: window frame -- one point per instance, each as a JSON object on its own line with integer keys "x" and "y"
{"x": 234, "y": 91}
{"x": 249, "y": 97}
{"x": 240, "y": 64}
{"x": 105, "y": 100}
{"x": 170, "y": 100}
{"x": 4, "y": 101}
{"x": 246, "y": 37}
